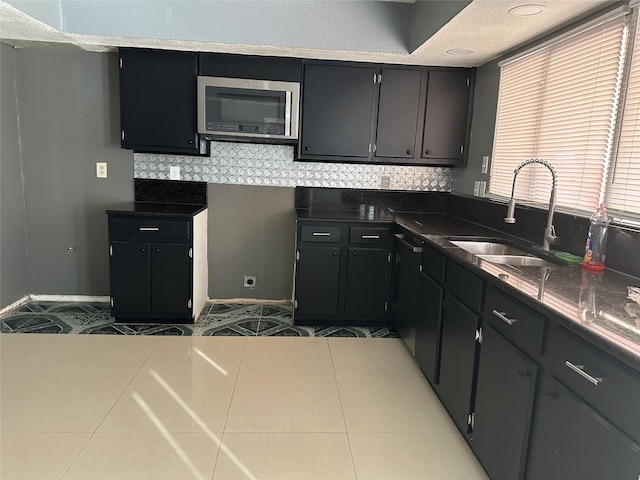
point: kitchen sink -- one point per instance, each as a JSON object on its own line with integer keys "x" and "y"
{"x": 495, "y": 251}
{"x": 482, "y": 247}
{"x": 517, "y": 260}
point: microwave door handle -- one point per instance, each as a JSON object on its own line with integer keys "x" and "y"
{"x": 287, "y": 114}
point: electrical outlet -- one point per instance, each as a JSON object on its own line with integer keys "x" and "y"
{"x": 385, "y": 182}
{"x": 249, "y": 281}
{"x": 174, "y": 173}
{"x": 101, "y": 169}
{"x": 476, "y": 188}
{"x": 485, "y": 164}
{"x": 482, "y": 188}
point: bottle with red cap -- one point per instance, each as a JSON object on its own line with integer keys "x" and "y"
{"x": 595, "y": 249}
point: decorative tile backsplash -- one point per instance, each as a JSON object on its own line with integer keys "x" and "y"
{"x": 273, "y": 165}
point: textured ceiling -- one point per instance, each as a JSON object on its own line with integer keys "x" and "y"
{"x": 485, "y": 26}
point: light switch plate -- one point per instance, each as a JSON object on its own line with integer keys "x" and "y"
{"x": 174, "y": 172}
{"x": 385, "y": 182}
{"x": 101, "y": 169}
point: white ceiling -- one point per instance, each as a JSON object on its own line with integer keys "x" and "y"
{"x": 485, "y": 26}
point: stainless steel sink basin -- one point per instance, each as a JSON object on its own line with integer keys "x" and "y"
{"x": 495, "y": 251}
{"x": 517, "y": 260}
{"x": 481, "y": 247}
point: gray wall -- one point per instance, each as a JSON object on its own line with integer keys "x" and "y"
{"x": 251, "y": 232}
{"x": 13, "y": 245}
{"x": 69, "y": 120}
{"x": 485, "y": 104}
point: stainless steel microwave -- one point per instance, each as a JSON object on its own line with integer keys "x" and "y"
{"x": 250, "y": 109}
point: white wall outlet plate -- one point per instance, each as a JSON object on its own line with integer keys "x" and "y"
{"x": 485, "y": 164}
{"x": 249, "y": 281}
{"x": 101, "y": 169}
{"x": 385, "y": 182}
{"x": 174, "y": 172}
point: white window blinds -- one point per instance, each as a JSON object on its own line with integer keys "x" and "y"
{"x": 623, "y": 191}
{"x": 559, "y": 104}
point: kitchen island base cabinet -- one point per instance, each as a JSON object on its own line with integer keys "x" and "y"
{"x": 570, "y": 441}
{"x": 503, "y": 404}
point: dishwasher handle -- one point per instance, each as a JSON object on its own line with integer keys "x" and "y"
{"x": 413, "y": 248}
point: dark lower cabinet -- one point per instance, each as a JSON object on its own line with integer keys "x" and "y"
{"x": 570, "y": 441}
{"x": 343, "y": 273}
{"x": 150, "y": 277}
{"x": 429, "y": 327}
{"x": 157, "y": 266}
{"x": 503, "y": 405}
{"x": 318, "y": 281}
{"x": 457, "y": 360}
{"x": 367, "y": 283}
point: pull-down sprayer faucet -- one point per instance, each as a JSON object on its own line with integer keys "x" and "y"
{"x": 549, "y": 231}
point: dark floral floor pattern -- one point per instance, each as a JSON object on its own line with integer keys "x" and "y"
{"x": 216, "y": 319}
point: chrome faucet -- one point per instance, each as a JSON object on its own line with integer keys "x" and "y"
{"x": 549, "y": 231}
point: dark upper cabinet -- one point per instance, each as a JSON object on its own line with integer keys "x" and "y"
{"x": 250, "y": 66}
{"x": 446, "y": 115}
{"x": 337, "y": 112}
{"x": 158, "y": 100}
{"x": 384, "y": 114}
{"x": 398, "y": 113}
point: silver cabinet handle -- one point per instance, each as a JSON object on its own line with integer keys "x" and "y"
{"x": 504, "y": 318}
{"x": 579, "y": 369}
{"x": 149, "y": 229}
{"x": 321, "y": 234}
{"x": 372, "y": 237}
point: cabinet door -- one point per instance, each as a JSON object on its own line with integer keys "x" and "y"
{"x": 405, "y": 302}
{"x": 367, "y": 282}
{"x": 170, "y": 278}
{"x": 158, "y": 100}
{"x": 457, "y": 359}
{"x": 130, "y": 265}
{"x": 571, "y": 441}
{"x": 428, "y": 328}
{"x": 337, "y": 111}
{"x": 318, "y": 281}
{"x": 502, "y": 411}
{"x": 398, "y": 113}
{"x": 447, "y": 110}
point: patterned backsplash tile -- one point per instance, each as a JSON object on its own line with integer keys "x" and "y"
{"x": 273, "y": 165}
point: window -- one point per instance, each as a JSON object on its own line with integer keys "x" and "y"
{"x": 562, "y": 103}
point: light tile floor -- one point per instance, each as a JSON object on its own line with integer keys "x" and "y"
{"x": 147, "y": 407}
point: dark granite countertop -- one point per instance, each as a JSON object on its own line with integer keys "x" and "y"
{"x": 593, "y": 306}
{"x": 156, "y": 209}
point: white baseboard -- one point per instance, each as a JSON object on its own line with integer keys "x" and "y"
{"x": 15, "y": 304}
{"x": 70, "y": 298}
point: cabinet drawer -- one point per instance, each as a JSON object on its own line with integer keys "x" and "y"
{"x": 521, "y": 325}
{"x": 320, "y": 233}
{"x": 608, "y": 386}
{"x": 465, "y": 285}
{"x": 149, "y": 229}
{"x": 433, "y": 263}
{"x": 369, "y": 235}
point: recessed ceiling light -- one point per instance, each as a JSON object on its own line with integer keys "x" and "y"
{"x": 459, "y": 51}
{"x": 527, "y": 10}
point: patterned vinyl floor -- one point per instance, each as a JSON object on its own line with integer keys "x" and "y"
{"x": 217, "y": 319}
